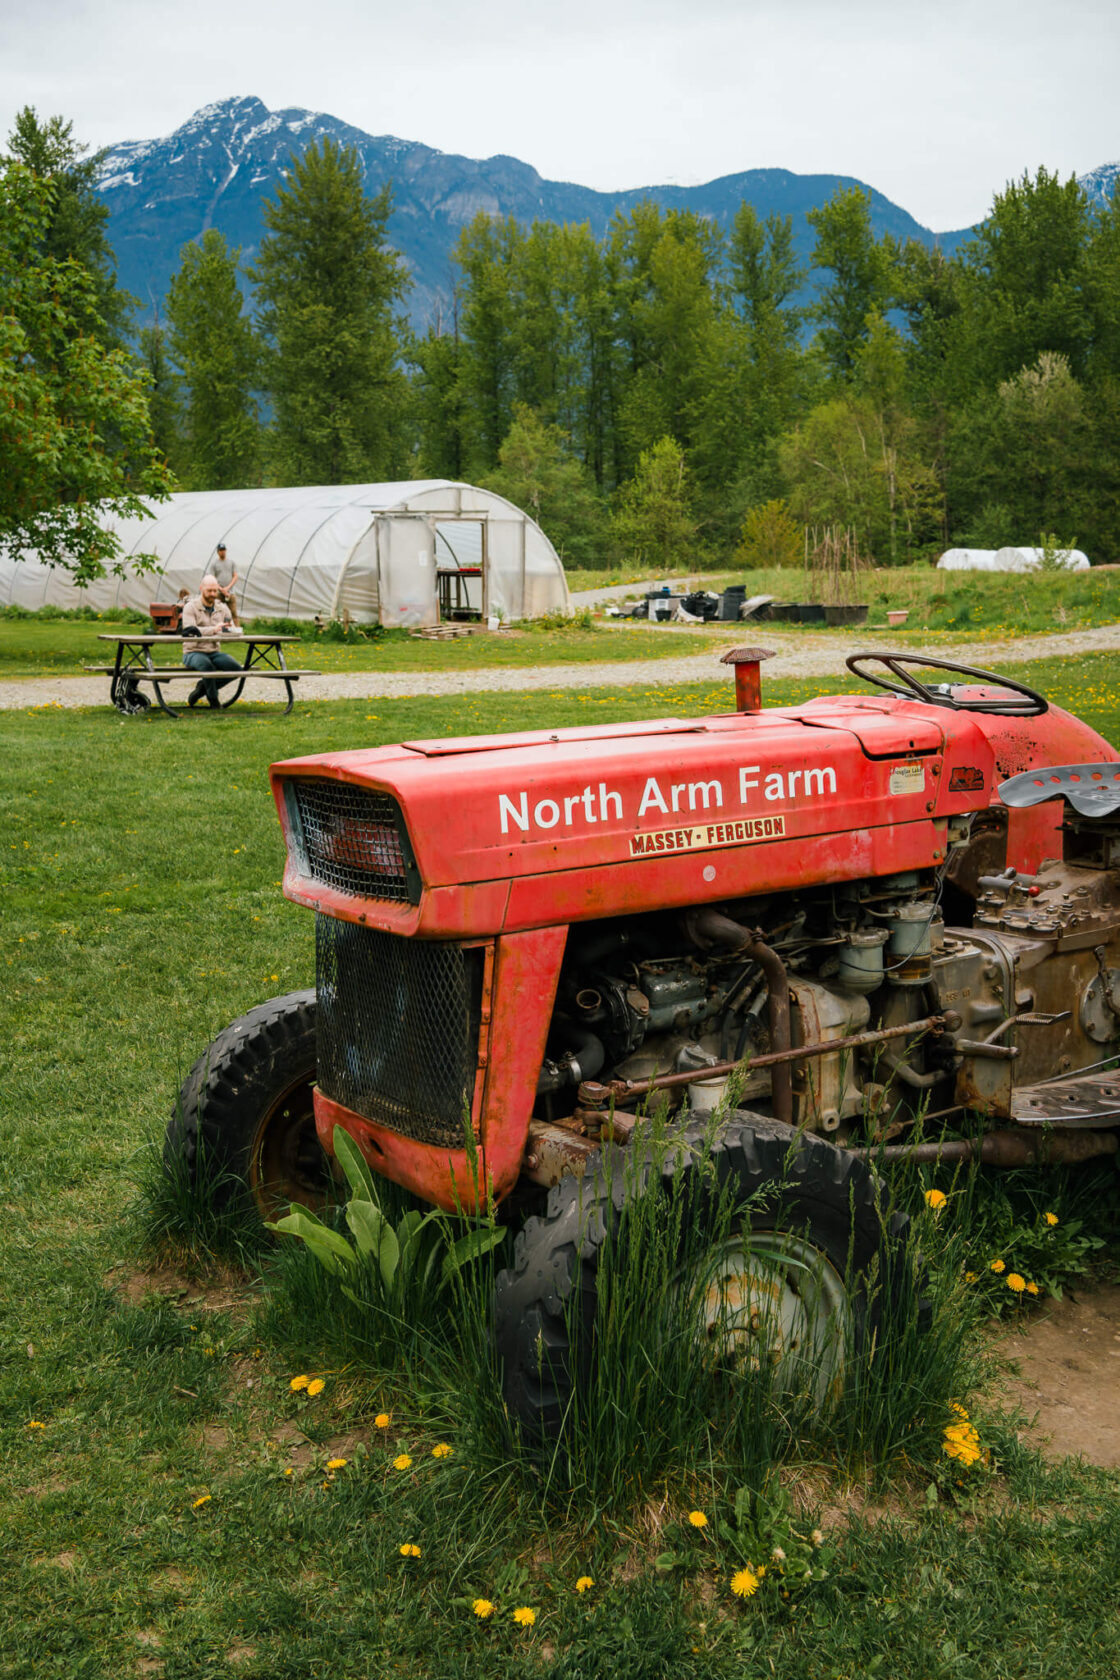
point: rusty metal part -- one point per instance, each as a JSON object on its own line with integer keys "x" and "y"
{"x": 1001, "y": 1149}
{"x": 554, "y": 1152}
{"x": 708, "y": 927}
{"x": 593, "y": 1095}
{"x": 748, "y": 683}
{"x": 1079, "y": 1100}
{"x": 983, "y": 1048}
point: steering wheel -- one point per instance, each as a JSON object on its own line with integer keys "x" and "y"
{"x": 1020, "y": 702}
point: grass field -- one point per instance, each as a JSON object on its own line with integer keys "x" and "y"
{"x": 942, "y": 607}
{"x": 146, "y": 1418}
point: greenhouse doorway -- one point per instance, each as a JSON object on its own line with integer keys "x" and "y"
{"x": 461, "y": 570}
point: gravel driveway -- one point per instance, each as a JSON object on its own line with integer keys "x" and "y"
{"x": 797, "y": 654}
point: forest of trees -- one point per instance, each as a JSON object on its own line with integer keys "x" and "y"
{"x": 662, "y": 390}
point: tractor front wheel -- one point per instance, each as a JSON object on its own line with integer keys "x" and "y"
{"x": 244, "y": 1118}
{"x": 799, "y": 1278}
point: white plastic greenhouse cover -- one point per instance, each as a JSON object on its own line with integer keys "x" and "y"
{"x": 372, "y": 550}
{"x": 1007, "y": 559}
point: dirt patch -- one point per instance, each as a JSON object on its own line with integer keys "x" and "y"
{"x": 223, "y": 1292}
{"x": 1068, "y": 1361}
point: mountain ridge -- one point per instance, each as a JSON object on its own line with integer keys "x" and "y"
{"x": 218, "y": 166}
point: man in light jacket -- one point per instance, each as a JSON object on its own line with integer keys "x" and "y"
{"x": 210, "y": 620}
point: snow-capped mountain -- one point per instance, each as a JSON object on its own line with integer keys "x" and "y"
{"x": 1100, "y": 183}
{"x": 216, "y": 169}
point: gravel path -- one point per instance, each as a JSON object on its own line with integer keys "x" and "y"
{"x": 797, "y": 655}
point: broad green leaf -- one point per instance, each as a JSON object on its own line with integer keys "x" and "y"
{"x": 471, "y": 1247}
{"x": 367, "y": 1222}
{"x": 354, "y": 1165}
{"x": 329, "y": 1247}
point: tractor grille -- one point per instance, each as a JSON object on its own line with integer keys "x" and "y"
{"x": 352, "y": 839}
{"x": 398, "y": 1023}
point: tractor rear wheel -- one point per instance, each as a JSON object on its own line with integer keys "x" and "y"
{"x": 244, "y": 1117}
{"x": 803, "y": 1276}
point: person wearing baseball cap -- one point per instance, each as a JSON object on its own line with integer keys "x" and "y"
{"x": 224, "y": 570}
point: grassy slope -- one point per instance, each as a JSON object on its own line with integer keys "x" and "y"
{"x": 142, "y": 911}
{"x": 941, "y": 605}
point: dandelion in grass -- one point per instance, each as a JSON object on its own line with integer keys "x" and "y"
{"x": 383, "y": 1420}
{"x": 317, "y": 1386}
{"x": 410, "y": 1551}
{"x": 442, "y": 1450}
{"x": 33, "y": 1423}
{"x": 1032, "y": 1288}
{"x": 483, "y": 1609}
{"x": 744, "y": 1583}
{"x": 998, "y": 1266}
{"x": 299, "y": 1382}
{"x": 524, "y": 1616}
{"x": 698, "y": 1519}
{"x": 777, "y": 1555}
{"x": 936, "y": 1200}
{"x": 962, "y": 1443}
{"x": 289, "y": 1471}
{"x": 337, "y": 1463}
{"x": 203, "y": 1499}
{"x": 584, "y": 1584}
{"x": 970, "y": 1277}
{"x": 1051, "y": 1219}
{"x": 1015, "y": 1282}
{"x": 403, "y": 1461}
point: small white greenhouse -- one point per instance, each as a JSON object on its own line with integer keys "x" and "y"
{"x": 410, "y": 554}
{"x": 1008, "y": 559}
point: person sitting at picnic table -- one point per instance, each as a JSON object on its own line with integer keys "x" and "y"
{"x": 227, "y": 575}
{"x": 211, "y": 619}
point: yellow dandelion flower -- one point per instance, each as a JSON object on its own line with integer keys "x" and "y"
{"x": 524, "y": 1616}
{"x": 744, "y": 1583}
{"x": 958, "y": 1410}
{"x": 299, "y": 1382}
{"x": 442, "y": 1450}
{"x": 403, "y": 1461}
{"x": 698, "y": 1519}
{"x": 970, "y": 1277}
{"x": 337, "y": 1463}
{"x": 382, "y": 1420}
{"x": 1050, "y": 1218}
{"x": 1032, "y": 1289}
{"x": 584, "y": 1583}
{"x": 936, "y": 1199}
{"x": 203, "y": 1499}
{"x": 410, "y": 1551}
{"x": 289, "y": 1471}
{"x": 33, "y": 1423}
{"x": 317, "y": 1386}
{"x": 482, "y": 1608}
{"x": 997, "y": 1266}
{"x": 1015, "y": 1282}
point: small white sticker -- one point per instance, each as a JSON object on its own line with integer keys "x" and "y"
{"x": 908, "y": 778}
{"x": 709, "y": 872}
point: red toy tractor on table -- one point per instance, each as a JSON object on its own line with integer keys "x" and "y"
{"x": 881, "y": 917}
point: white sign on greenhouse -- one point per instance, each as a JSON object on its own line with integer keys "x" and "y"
{"x": 408, "y": 554}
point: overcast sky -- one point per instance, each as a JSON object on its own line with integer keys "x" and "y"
{"x": 936, "y": 105}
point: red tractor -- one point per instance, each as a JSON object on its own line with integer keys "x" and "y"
{"x": 884, "y": 917}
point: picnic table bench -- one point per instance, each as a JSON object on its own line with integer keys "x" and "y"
{"x": 134, "y": 664}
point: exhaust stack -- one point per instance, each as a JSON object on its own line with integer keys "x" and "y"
{"x": 748, "y": 683}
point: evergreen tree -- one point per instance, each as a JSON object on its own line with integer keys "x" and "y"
{"x": 77, "y": 221}
{"x": 75, "y": 434}
{"x": 214, "y": 345}
{"x": 164, "y": 405}
{"x": 653, "y": 522}
{"x": 860, "y": 275}
{"x": 327, "y": 284}
{"x": 537, "y": 472}
{"x": 438, "y": 405}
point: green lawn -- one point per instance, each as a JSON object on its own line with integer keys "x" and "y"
{"x": 942, "y": 607}
{"x": 150, "y": 1526}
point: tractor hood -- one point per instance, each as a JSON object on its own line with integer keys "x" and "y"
{"x": 475, "y": 836}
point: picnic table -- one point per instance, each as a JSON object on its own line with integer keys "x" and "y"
{"x": 134, "y": 664}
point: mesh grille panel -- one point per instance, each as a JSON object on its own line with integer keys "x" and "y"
{"x": 350, "y": 838}
{"x": 397, "y": 1025}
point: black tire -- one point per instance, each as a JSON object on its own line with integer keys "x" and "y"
{"x": 826, "y": 1200}
{"x": 244, "y": 1116}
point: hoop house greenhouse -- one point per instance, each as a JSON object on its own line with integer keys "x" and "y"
{"x": 396, "y": 554}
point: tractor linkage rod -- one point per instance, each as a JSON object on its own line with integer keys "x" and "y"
{"x": 594, "y": 1095}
